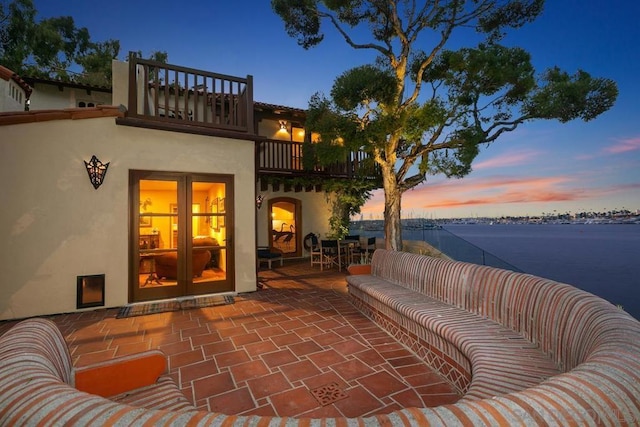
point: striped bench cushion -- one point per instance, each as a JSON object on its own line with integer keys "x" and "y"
{"x": 164, "y": 395}
{"x": 502, "y": 361}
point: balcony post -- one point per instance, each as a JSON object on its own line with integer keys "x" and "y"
{"x": 132, "y": 107}
{"x": 249, "y": 103}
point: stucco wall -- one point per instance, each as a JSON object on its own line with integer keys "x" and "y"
{"x": 12, "y": 96}
{"x": 55, "y": 226}
{"x": 49, "y": 96}
{"x": 270, "y": 128}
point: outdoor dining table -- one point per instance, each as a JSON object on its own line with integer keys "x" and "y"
{"x": 350, "y": 243}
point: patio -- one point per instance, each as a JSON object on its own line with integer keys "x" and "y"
{"x": 297, "y": 347}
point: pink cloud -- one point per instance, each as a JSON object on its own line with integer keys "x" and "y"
{"x": 620, "y": 146}
{"x": 511, "y": 197}
{"x": 497, "y": 190}
{"x": 508, "y": 159}
{"x": 623, "y": 188}
{"x": 623, "y": 146}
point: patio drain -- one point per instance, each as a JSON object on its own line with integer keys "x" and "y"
{"x": 328, "y": 394}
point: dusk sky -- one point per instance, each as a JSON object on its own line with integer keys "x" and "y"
{"x": 544, "y": 166}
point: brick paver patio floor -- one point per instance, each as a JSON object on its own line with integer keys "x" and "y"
{"x": 297, "y": 347}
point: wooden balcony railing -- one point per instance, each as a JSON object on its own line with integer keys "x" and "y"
{"x": 285, "y": 157}
{"x": 172, "y": 94}
{"x": 174, "y": 97}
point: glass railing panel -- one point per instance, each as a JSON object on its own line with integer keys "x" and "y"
{"x": 443, "y": 240}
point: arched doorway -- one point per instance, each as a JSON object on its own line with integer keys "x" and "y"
{"x": 285, "y": 217}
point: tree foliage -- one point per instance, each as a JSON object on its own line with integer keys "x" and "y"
{"x": 48, "y": 48}
{"x": 422, "y": 109}
{"x": 17, "y": 30}
{"x": 346, "y": 199}
{"x": 96, "y": 63}
{"x": 55, "y": 47}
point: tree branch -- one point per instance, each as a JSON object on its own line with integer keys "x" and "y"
{"x": 384, "y": 51}
{"x": 411, "y": 182}
{"x": 444, "y": 37}
{"x": 498, "y": 128}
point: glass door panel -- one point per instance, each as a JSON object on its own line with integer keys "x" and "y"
{"x": 157, "y": 250}
{"x": 210, "y": 243}
{"x": 285, "y": 221}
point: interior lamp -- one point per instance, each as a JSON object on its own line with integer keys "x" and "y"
{"x": 96, "y": 170}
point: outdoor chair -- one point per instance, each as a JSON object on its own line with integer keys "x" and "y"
{"x": 316, "y": 251}
{"x": 332, "y": 253}
{"x": 363, "y": 252}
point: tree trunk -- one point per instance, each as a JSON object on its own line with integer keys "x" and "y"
{"x": 392, "y": 201}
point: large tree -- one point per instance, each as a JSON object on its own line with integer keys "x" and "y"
{"x": 422, "y": 109}
{"x": 16, "y": 32}
{"x": 52, "y": 47}
{"x": 45, "y": 48}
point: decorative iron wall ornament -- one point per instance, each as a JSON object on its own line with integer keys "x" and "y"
{"x": 259, "y": 201}
{"x": 96, "y": 170}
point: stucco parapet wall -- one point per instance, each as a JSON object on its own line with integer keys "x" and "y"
{"x": 18, "y": 117}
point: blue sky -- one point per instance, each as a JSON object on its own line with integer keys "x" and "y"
{"x": 542, "y": 167}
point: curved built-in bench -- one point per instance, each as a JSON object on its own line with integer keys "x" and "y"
{"x": 494, "y": 332}
{"x": 594, "y": 345}
{"x": 432, "y": 306}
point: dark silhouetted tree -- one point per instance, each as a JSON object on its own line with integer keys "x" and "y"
{"x": 54, "y": 47}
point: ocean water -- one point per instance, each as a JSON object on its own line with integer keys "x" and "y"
{"x": 602, "y": 259}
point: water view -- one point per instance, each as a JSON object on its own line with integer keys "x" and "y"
{"x": 602, "y": 259}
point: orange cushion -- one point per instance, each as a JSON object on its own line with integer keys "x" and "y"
{"x": 121, "y": 375}
{"x": 357, "y": 269}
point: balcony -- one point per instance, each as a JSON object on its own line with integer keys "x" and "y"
{"x": 177, "y": 98}
{"x": 181, "y": 99}
{"x": 277, "y": 158}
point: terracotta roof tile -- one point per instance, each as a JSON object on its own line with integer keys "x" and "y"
{"x": 7, "y": 74}
{"x": 275, "y": 107}
{"x": 71, "y": 84}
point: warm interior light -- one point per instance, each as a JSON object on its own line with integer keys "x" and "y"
{"x": 297, "y": 133}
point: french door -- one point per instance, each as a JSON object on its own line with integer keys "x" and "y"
{"x": 181, "y": 234}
